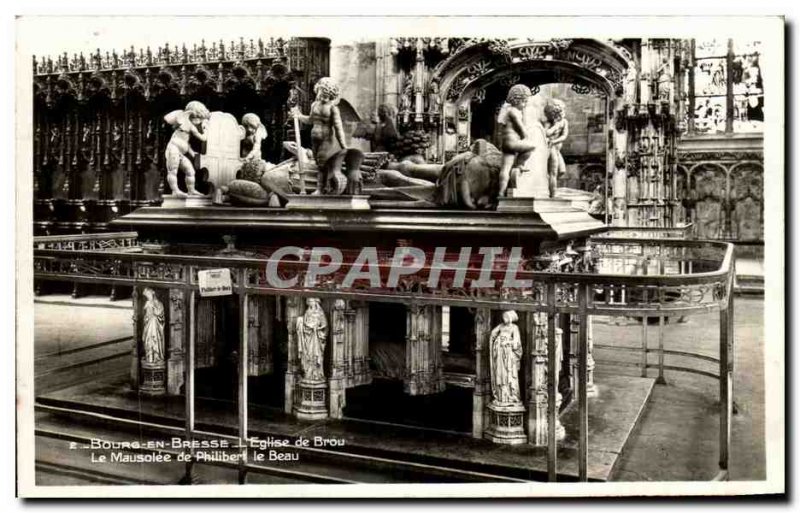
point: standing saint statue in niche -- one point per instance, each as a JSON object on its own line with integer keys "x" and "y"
{"x": 557, "y": 132}
{"x": 505, "y": 354}
{"x": 153, "y": 327}
{"x": 328, "y": 142}
{"x": 516, "y": 145}
{"x": 312, "y": 330}
{"x": 187, "y": 123}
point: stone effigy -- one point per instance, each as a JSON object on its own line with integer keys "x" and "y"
{"x": 506, "y": 411}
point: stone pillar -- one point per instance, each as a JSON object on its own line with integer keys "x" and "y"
{"x": 482, "y": 392}
{"x": 423, "y": 351}
{"x": 537, "y": 394}
{"x": 357, "y": 364}
{"x": 591, "y": 388}
{"x": 260, "y": 314}
{"x": 292, "y": 313}
{"x": 337, "y": 382}
{"x": 134, "y": 372}
{"x": 176, "y": 362}
{"x": 574, "y": 326}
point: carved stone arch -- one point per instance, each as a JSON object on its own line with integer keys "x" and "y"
{"x": 480, "y": 63}
{"x": 747, "y": 201}
{"x": 708, "y": 183}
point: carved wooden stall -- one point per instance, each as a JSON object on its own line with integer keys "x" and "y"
{"x": 99, "y": 133}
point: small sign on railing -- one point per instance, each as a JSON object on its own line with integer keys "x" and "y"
{"x": 215, "y": 282}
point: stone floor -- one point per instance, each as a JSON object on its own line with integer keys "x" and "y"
{"x": 675, "y": 440}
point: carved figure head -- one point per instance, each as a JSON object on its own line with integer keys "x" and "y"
{"x": 554, "y": 110}
{"x": 252, "y": 124}
{"x": 197, "y": 112}
{"x": 313, "y": 303}
{"x": 327, "y": 89}
{"x": 510, "y": 316}
{"x": 518, "y": 95}
{"x": 148, "y": 293}
{"x": 384, "y": 112}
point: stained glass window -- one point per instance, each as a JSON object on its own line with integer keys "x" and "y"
{"x": 724, "y": 89}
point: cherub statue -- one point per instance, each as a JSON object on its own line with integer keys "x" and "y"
{"x": 557, "y": 132}
{"x": 515, "y": 144}
{"x": 328, "y": 142}
{"x": 253, "y": 133}
{"x": 190, "y": 122}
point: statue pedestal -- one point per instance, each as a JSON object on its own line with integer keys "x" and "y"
{"x": 153, "y": 378}
{"x": 320, "y": 202}
{"x": 172, "y": 201}
{"x": 505, "y": 424}
{"x": 311, "y": 400}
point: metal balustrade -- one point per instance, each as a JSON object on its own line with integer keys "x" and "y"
{"x": 700, "y": 280}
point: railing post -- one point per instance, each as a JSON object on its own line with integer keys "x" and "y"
{"x": 552, "y": 414}
{"x": 725, "y": 381}
{"x": 243, "y": 368}
{"x": 583, "y": 400}
{"x": 661, "y": 380}
{"x": 189, "y": 477}
{"x": 644, "y": 346}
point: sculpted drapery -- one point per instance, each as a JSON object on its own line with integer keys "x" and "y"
{"x": 312, "y": 331}
{"x": 505, "y": 348}
{"x": 153, "y": 327}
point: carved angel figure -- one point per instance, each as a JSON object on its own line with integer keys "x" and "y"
{"x": 187, "y": 123}
{"x": 505, "y": 348}
{"x": 253, "y": 133}
{"x": 153, "y": 327}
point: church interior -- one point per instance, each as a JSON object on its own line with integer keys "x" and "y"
{"x": 628, "y": 173}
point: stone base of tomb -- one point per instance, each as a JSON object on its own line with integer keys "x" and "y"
{"x": 311, "y": 400}
{"x": 172, "y": 201}
{"x": 505, "y": 424}
{"x": 153, "y": 378}
{"x": 530, "y": 204}
{"x": 320, "y": 202}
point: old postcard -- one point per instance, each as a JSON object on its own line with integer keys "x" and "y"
{"x": 399, "y": 257}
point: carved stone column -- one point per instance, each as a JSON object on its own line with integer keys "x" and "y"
{"x": 292, "y": 312}
{"x": 260, "y": 314}
{"x": 337, "y": 383}
{"x": 574, "y": 326}
{"x": 537, "y": 394}
{"x": 482, "y": 389}
{"x": 359, "y": 372}
{"x": 591, "y": 388}
{"x": 423, "y": 351}
{"x": 176, "y": 361}
{"x": 134, "y": 372}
